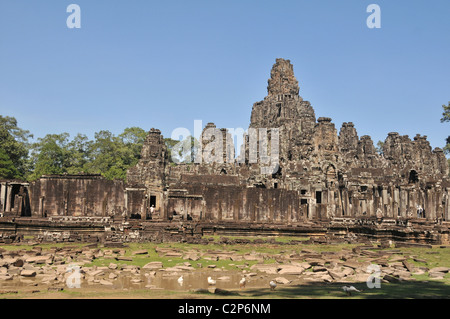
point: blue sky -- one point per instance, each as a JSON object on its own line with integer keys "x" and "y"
{"x": 164, "y": 64}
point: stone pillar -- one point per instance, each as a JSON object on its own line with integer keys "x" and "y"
{"x": 312, "y": 209}
{"x": 346, "y": 208}
{"x": 428, "y": 205}
{"x": 19, "y": 205}
{"x": 402, "y": 202}
{"x": 41, "y": 206}
{"x": 144, "y": 208}
{"x": 203, "y": 211}
{"x": 160, "y": 206}
{"x": 289, "y": 213}
{"x": 364, "y": 208}
{"x": 2, "y": 197}
{"x": 447, "y": 204}
{"x": 8, "y": 198}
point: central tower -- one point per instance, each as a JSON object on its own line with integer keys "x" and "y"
{"x": 282, "y": 80}
{"x": 285, "y": 109}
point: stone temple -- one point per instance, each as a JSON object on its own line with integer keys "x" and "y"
{"x": 321, "y": 183}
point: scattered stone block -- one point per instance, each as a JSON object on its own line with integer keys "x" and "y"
{"x": 282, "y": 280}
{"x": 106, "y": 283}
{"x": 153, "y": 265}
{"x": 28, "y": 273}
{"x": 140, "y": 252}
{"x": 440, "y": 269}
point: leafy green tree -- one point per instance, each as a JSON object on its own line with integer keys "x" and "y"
{"x": 104, "y": 155}
{"x": 50, "y": 155}
{"x": 170, "y": 144}
{"x": 14, "y": 143}
{"x": 134, "y": 138}
{"x": 446, "y": 118}
{"x": 379, "y": 147}
{"x": 7, "y": 168}
{"x": 112, "y": 155}
{"x": 107, "y": 154}
{"x": 446, "y": 113}
{"x": 184, "y": 151}
{"x": 78, "y": 154}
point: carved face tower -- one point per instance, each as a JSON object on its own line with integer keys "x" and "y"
{"x": 285, "y": 109}
{"x": 282, "y": 80}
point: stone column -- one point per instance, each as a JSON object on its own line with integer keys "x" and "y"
{"x": 364, "y": 208}
{"x": 160, "y": 206}
{"x": 447, "y": 205}
{"x": 19, "y": 205}
{"x": 144, "y": 208}
{"x": 312, "y": 211}
{"x": 2, "y": 196}
{"x": 8, "y": 198}
{"x": 41, "y": 206}
{"x": 126, "y": 199}
{"x": 428, "y": 206}
{"x": 385, "y": 202}
{"x": 346, "y": 208}
{"x": 403, "y": 202}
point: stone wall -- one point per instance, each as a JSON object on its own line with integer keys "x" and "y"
{"x": 76, "y": 195}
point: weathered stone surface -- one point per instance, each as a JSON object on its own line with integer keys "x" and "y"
{"x": 96, "y": 273}
{"x": 28, "y": 273}
{"x": 336, "y": 274}
{"x": 112, "y": 276}
{"x": 124, "y": 258}
{"x": 40, "y": 259}
{"x": 153, "y": 265}
{"x": 224, "y": 278}
{"x": 6, "y": 277}
{"x": 408, "y": 266}
{"x": 319, "y": 269}
{"x": 436, "y": 275}
{"x": 440, "y": 269}
{"x": 290, "y": 270}
{"x": 391, "y": 278}
{"x": 282, "y": 280}
{"x": 140, "y": 252}
{"x": 266, "y": 268}
{"x": 106, "y": 283}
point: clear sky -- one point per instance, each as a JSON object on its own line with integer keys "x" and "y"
{"x": 164, "y": 64}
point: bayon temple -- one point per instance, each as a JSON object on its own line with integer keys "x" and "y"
{"x": 295, "y": 175}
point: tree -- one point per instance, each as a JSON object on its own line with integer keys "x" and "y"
{"x": 15, "y": 145}
{"x": 7, "y": 168}
{"x": 134, "y": 138}
{"x": 50, "y": 155}
{"x": 107, "y": 154}
{"x": 446, "y": 118}
{"x": 446, "y": 114}
{"x": 379, "y": 147}
{"x": 185, "y": 151}
{"x": 78, "y": 154}
{"x": 170, "y": 143}
{"x": 112, "y": 155}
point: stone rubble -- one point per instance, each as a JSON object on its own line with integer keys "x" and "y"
{"x": 50, "y": 269}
